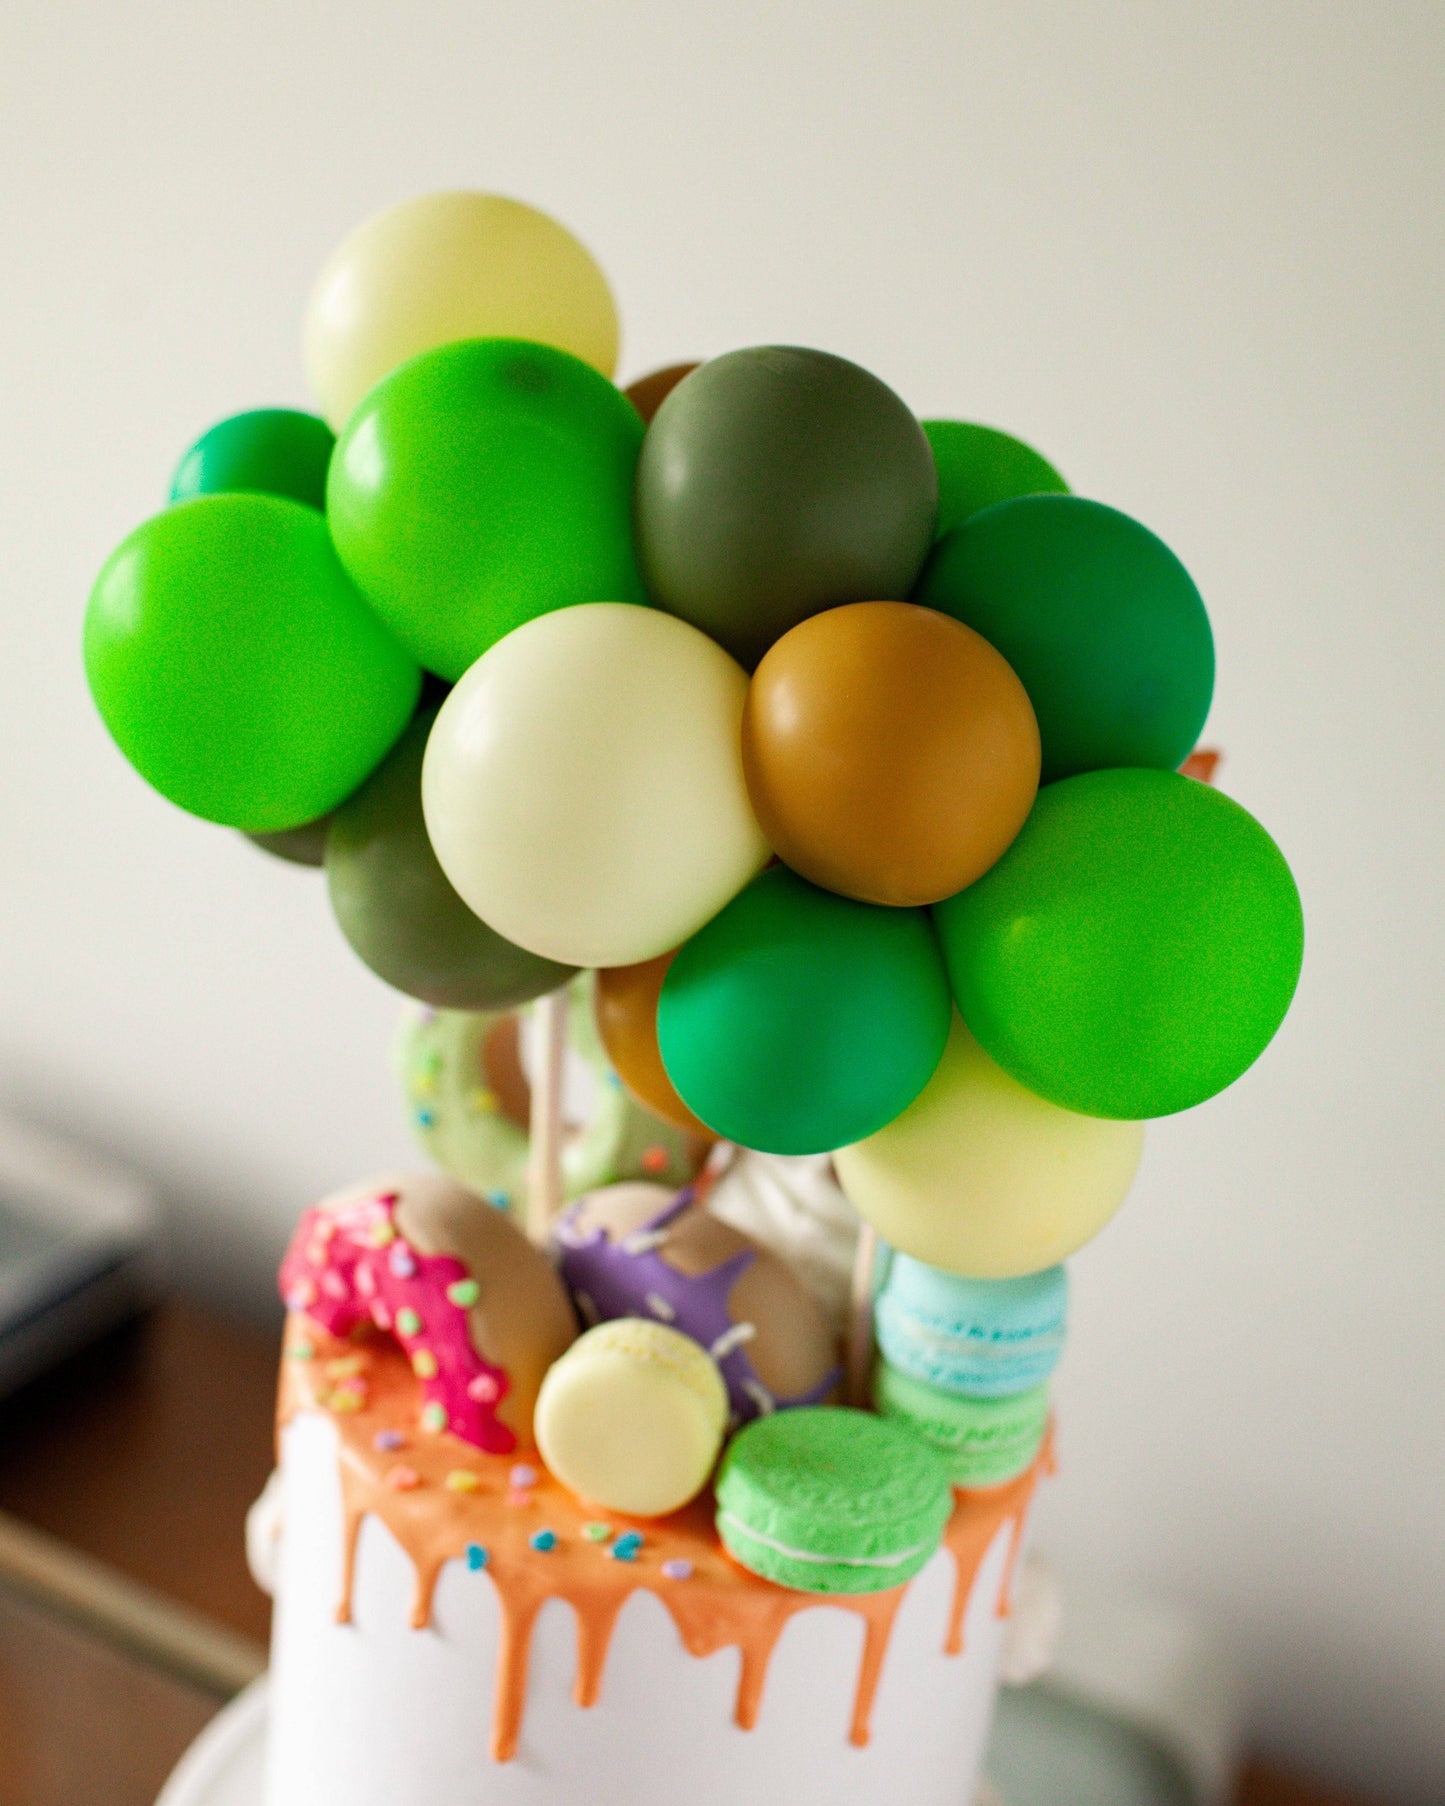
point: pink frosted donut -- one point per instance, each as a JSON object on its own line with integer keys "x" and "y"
{"x": 478, "y": 1310}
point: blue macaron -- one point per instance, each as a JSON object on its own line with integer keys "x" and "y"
{"x": 979, "y": 1338}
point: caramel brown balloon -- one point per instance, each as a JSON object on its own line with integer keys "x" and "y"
{"x": 627, "y": 1022}
{"x": 643, "y": 1251}
{"x": 649, "y": 392}
{"x": 889, "y": 756}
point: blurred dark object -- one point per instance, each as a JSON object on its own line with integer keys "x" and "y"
{"x": 79, "y": 1250}
{"x": 145, "y": 1451}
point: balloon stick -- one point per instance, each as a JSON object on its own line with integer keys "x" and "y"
{"x": 860, "y": 1317}
{"x": 544, "y": 1167}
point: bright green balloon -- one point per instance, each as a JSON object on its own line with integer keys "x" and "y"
{"x": 1099, "y": 619}
{"x": 798, "y": 1021}
{"x": 1133, "y": 951}
{"x": 398, "y": 912}
{"x": 238, "y": 668}
{"x": 271, "y": 451}
{"x": 978, "y": 466}
{"x": 483, "y": 484}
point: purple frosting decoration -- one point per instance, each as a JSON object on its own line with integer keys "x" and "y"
{"x": 630, "y": 1278}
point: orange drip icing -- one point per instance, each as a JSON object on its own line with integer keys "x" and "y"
{"x": 720, "y": 1605}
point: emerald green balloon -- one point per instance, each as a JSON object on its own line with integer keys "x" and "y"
{"x": 978, "y": 466}
{"x": 1099, "y": 619}
{"x": 237, "y": 667}
{"x": 798, "y": 1021}
{"x": 272, "y": 451}
{"x": 483, "y": 484}
{"x": 776, "y": 482}
{"x": 398, "y": 911}
{"x": 1134, "y": 950}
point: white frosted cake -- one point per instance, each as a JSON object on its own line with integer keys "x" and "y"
{"x": 456, "y": 1625}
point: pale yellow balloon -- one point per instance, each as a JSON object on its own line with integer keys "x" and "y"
{"x": 980, "y": 1177}
{"x": 583, "y": 785}
{"x": 457, "y": 265}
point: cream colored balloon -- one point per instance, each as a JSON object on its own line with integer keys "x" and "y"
{"x": 980, "y": 1177}
{"x": 583, "y": 785}
{"x": 457, "y": 265}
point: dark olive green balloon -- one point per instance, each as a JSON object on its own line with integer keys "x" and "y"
{"x": 397, "y": 909}
{"x": 305, "y": 845}
{"x": 978, "y": 466}
{"x": 777, "y": 482}
{"x": 1098, "y": 618}
{"x": 270, "y": 451}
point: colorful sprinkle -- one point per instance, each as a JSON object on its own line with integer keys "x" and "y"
{"x": 597, "y": 1533}
{"x": 325, "y": 1229}
{"x": 464, "y": 1293}
{"x": 622, "y": 1550}
{"x": 382, "y": 1234}
{"x": 484, "y": 1102}
{"x": 346, "y": 1401}
{"x": 302, "y": 1351}
{"x": 522, "y": 1476}
{"x": 386, "y": 1440}
{"x": 677, "y": 1570}
{"x": 543, "y": 1540}
{"x": 499, "y": 1200}
{"x": 477, "y": 1557}
{"x": 365, "y": 1279}
{"x": 380, "y": 1315}
{"x": 301, "y": 1296}
{"x": 462, "y": 1479}
{"x": 407, "y": 1322}
{"x": 333, "y": 1285}
{"x": 517, "y": 1497}
{"x": 424, "y": 1364}
{"x": 403, "y": 1479}
{"x": 402, "y": 1262}
{"x": 425, "y": 1118}
{"x": 484, "y": 1389}
{"x": 348, "y": 1367}
{"x": 654, "y": 1160}
{"x": 434, "y": 1416}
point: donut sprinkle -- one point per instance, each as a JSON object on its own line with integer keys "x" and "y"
{"x": 350, "y": 1267}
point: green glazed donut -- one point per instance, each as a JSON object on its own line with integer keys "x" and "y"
{"x": 468, "y": 1098}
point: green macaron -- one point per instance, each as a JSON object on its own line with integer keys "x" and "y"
{"x": 985, "y": 1441}
{"x": 827, "y": 1500}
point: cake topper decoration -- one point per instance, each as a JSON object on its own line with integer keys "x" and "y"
{"x": 476, "y": 1308}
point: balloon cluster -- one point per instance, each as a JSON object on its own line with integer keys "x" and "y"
{"x": 845, "y": 746}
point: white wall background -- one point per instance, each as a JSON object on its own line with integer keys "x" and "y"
{"x": 1195, "y": 254}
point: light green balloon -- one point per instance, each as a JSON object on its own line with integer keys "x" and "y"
{"x": 978, "y": 466}
{"x": 1134, "y": 950}
{"x": 237, "y": 666}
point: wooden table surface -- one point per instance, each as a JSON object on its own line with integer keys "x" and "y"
{"x": 142, "y": 1454}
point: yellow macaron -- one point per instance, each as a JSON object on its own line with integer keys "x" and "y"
{"x": 632, "y": 1417}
